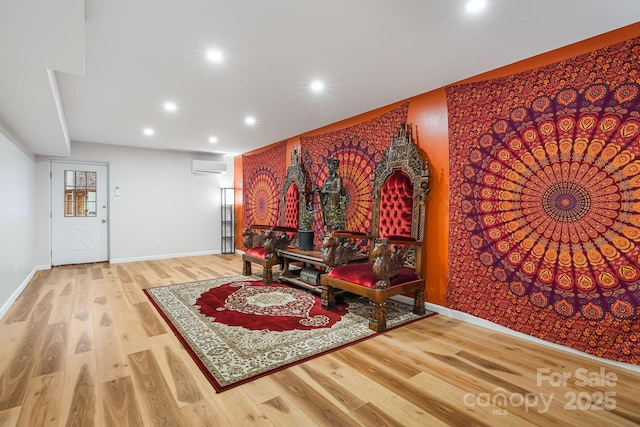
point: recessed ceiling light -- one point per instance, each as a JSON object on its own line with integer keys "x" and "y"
{"x": 213, "y": 139}
{"x": 214, "y": 55}
{"x": 475, "y": 6}
{"x": 250, "y": 120}
{"x": 170, "y": 106}
{"x": 317, "y": 86}
{"x": 148, "y": 131}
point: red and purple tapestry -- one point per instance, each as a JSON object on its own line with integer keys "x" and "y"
{"x": 263, "y": 174}
{"x": 359, "y": 148}
{"x": 545, "y": 201}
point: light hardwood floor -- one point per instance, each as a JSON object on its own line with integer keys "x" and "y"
{"x": 84, "y": 347}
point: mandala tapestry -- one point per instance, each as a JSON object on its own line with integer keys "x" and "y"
{"x": 263, "y": 176}
{"x": 359, "y": 148}
{"x": 545, "y": 201}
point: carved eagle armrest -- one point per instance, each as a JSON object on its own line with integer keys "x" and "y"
{"x": 275, "y": 242}
{"x": 387, "y": 261}
{"x": 281, "y": 239}
{"x": 255, "y": 235}
{"x": 337, "y": 250}
{"x": 252, "y": 239}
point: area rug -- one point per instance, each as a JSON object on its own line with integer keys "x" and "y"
{"x": 238, "y": 329}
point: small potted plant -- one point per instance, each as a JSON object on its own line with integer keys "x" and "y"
{"x": 337, "y": 217}
{"x": 305, "y": 230}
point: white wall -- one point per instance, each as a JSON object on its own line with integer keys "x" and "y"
{"x": 163, "y": 210}
{"x": 17, "y": 220}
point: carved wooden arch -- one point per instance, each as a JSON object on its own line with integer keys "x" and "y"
{"x": 295, "y": 174}
{"x": 403, "y": 154}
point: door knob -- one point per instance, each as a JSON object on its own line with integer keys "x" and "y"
{"x": 104, "y": 221}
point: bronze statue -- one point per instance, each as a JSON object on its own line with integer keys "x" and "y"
{"x": 331, "y": 192}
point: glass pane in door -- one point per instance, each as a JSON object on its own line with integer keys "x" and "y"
{"x": 80, "y": 193}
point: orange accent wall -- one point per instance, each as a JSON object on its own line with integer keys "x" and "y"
{"x": 428, "y": 112}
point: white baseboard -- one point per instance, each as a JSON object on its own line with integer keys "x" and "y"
{"x": 468, "y": 318}
{"x": 165, "y": 256}
{"x": 14, "y": 296}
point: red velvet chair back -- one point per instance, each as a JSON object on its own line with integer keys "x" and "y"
{"x": 400, "y": 185}
{"x": 396, "y": 205}
{"x": 292, "y": 206}
{"x": 294, "y": 194}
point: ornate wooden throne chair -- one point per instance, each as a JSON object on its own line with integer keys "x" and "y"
{"x": 400, "y": 184}
{"x": 263, "y": 241}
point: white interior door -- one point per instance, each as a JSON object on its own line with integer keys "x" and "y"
{"x": 79, "y": 226}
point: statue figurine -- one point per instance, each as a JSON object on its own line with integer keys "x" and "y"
{"x": 331, "y": 192}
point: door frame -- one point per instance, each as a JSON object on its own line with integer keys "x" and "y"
{"x": 51, "y": 195}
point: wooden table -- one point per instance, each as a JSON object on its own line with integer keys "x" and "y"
{"x": 308, "y": 259}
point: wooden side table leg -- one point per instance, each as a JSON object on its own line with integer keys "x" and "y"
{"x": 285, "y": 267}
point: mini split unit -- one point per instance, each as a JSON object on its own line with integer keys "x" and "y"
{"x": 208, "y": 166}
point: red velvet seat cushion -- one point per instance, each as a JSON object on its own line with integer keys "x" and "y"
{"x": 396, "y": 205}
{"x": 362, "y": 274}
{"x": 258, "y": 252}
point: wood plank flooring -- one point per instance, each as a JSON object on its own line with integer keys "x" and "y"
{"x": 84, "y": 347}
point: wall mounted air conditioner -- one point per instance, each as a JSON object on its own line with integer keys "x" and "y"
{"x": 208, "y": 166}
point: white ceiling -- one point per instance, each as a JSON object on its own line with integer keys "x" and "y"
{"x": 99, "y": 71}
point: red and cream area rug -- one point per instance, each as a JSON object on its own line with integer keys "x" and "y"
{"x": 238, "y": 328}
